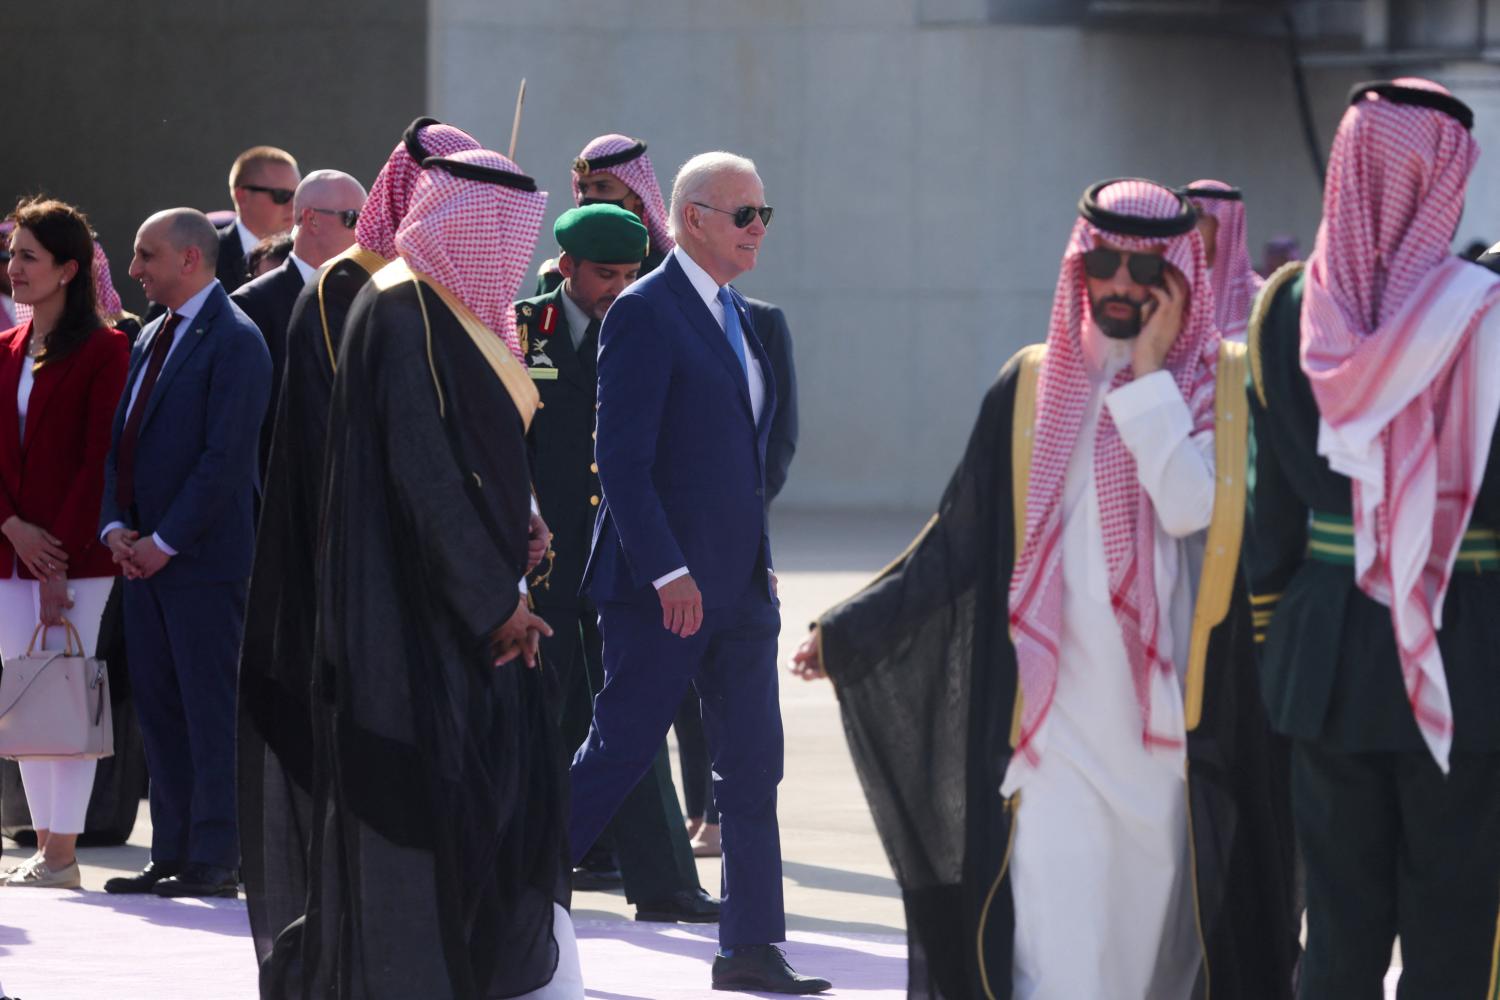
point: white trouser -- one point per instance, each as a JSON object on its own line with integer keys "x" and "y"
{"x": 57, "y": 791}
{"x": 567, "y": 981}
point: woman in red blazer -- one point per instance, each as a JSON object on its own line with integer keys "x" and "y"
{"x": 61, "y": 374}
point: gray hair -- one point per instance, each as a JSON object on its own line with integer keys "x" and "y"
{"x": 189, "y": 227}
{"x": 694, "y": 176}
{"x": 318, "y": 182}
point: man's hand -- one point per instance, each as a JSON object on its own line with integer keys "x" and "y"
{"x": 147, "y": 559}
{"x": 39, "y": 551}
{"x": 55, "y": 600}
{"x": 121, "y": 543}
{"x": 521, "y": 635}
{"x": 1163, "y": 323}
{"x": 807, "y": 662}
{"x": 681, "y": 607}
{"x": 538, "y": 541}
{"x": 775, "y": 586}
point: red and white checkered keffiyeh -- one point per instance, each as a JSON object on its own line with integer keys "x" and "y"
{"x": 1402, "y": 362}
{"x": 475, "y": 239}
{"x": 1233, "y": 278}
{"x": 107, "y": 300}
{"x": 1128, "y": 518}
{"x": 391, "y": 193}
{"x": 638, "y": 175}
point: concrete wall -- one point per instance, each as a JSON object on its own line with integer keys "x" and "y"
{"x": 924, "y": 177}
{"x": 129, "y": 106}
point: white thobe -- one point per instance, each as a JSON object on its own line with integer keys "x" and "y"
{"x": 1100, "y": 864}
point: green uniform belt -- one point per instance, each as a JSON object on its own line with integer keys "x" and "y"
{"x": 1330, "y": 539}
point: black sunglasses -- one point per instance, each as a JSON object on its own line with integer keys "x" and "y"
{"x": 278, "y": 195}
{"x": 1145, "y": 268}
{"x": 744, "y": 214}
{"x": 348, "y": 216}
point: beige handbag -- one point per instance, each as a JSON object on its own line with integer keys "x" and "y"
{"x": 55, "y": 706}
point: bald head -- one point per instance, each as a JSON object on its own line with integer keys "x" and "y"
{"x": 326, "y": 204}
{"x": 175, "y": 254}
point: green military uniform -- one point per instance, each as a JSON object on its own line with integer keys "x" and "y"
{"x": 1391, "y": 846}
{"x": 648, "y": 832}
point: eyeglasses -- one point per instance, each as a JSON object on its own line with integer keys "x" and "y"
{"x": 744, "y": 214}
{"x": 1102, "y": 263}
{"x": 278, "y": 195}
{"x": 348, "y": 216}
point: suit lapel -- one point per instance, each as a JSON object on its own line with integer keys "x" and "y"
{"x": 560, "y": 346}
{"x": 43, "y": 388}
{"x": 10, "y": 419}
{"x": 707, "y": 327}
{"x": 189, "y": 336}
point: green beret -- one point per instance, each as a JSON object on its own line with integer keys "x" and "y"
{"x": 604, "y": 234}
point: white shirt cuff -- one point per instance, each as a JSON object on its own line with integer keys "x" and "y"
{"x": 111, "y": 526}
{"x": 163, "y": 545}
{"x": 521, "y": 586}
{"x": 662, "y": 581}
{"x": 1143, "y": 395}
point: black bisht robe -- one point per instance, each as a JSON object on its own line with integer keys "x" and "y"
{"x": 434, "y": 869}
{"x": 926, "y": 679}
{"x": 276, "y": 755}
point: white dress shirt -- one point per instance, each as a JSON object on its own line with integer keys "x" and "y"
{"x": 23, "y": 390}
{"x": 303, "y": 267}
{"x": 247, "y": 238}
{"x": 188, "y": 311}
{"x": 708, "y": 289}
{"x": 578, "y": 320}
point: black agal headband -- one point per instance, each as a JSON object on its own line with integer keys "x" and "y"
{"x": 479, "y": 172}
{"x": 413, "y": 143}
{"x": 1136, "y": 225}
{"x": 1223, "y": 194}
{"x": 582, "y": 166}
{"x": 1397, "y": 94}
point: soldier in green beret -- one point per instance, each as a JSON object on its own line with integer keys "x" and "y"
{"x": 602, "y": 249}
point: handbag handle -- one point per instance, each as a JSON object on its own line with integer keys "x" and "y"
{"x": 71, "y": 634}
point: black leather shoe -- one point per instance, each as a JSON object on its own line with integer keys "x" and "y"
{"x": 687, "y": 906}
{"x": 200, "y": 880}
{"x": 153, "y": 873}
{"x": 762, "y": 968}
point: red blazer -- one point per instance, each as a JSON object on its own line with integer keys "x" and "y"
{"x": 55, "y": 477}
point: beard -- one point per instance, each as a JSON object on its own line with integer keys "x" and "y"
{"x": 1118, "y": 327}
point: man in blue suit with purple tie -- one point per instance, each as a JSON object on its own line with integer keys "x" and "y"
{"x": 680, "y": 567}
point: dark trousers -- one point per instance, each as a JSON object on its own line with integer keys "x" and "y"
{"x": 692, "y": 754}
{"x": 184, "y": 644}
{"x": 1393, "y": 847}
{"x": 647, "y": 670}
{"x": 647, "y": 832}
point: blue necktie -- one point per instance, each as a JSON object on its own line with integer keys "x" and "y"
{"x": 732, "y": 328}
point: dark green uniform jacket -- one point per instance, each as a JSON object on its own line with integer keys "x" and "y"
{"x": 926, "y": 679}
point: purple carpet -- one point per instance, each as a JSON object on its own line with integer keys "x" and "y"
{"x": 60, "y": 945}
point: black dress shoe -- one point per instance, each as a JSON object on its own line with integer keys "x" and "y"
{"x": 596, "y": 875}
{"x": 762, "y": 968}
{"x": 153, "y": 873}
{"x": 687, "y": 906}
{"x": 200, "y": 880}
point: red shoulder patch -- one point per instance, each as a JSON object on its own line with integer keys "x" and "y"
{"x": 549, "y": 319}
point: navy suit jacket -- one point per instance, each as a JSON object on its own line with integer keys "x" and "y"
{"x": 196, "y": 458}
{"x": 681, "y": 458}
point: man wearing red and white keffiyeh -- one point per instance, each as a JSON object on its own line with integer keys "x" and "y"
{"x": 1221, "y": 221}
{"x": 1372, "y": 554}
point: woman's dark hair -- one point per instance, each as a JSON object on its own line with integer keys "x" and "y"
{"x": 64, "y": 232}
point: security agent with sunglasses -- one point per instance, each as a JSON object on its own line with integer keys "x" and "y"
{"x": 680, "y": 569}
{"x": 327, "y": 205}
{"x": 1066, "y": 641}
{"x": 262, "y": 182}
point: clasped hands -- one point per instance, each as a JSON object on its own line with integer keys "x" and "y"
{"x": 138, "y": 558}
{"x": 521, "y": 635}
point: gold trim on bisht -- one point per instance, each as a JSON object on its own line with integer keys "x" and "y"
{"x": 367, "y": 259}
{"x": 507, "y": 369}
{"x": 1221, "y": 552}
{"x": 1258, "y": 310}
{"x": 1023, "y": 420}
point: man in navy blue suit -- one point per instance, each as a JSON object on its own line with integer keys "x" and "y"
{"x": 179, "y": 490}
{"x": 680, "y": 567}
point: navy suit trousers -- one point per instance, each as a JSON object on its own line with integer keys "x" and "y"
{"x": 184, "y": 647}
{"x": 731, "y": 661}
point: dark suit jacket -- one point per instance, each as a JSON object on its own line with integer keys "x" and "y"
{"x": 54, "y": 477}
{"x": 195, "y": 464}
{"x": 268, "y": 301}
{"x": 231, "y": 267}
{"x": 770, "y": 326}
{"x": 680, "y": 457}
